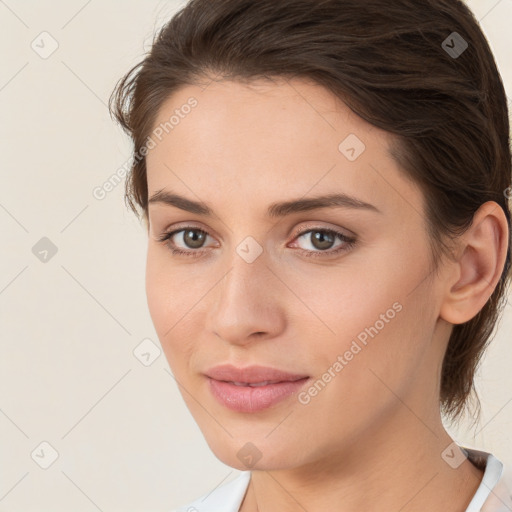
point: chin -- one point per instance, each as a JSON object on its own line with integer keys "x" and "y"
{"x": 261, "y": 454}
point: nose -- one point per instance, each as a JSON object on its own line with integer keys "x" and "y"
{"x": 246, "y": 303}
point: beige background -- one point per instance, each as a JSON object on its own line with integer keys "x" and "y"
{"x": 68, "y": 373}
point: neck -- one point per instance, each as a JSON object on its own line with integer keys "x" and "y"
{"x": 395, "y": 467}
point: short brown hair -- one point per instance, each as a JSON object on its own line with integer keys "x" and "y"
{"x": 395, "y": 63}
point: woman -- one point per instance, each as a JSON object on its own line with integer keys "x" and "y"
{"x": 325, "y": 187}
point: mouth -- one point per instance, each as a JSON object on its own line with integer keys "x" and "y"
{"x": 253, "y": 397}
{"x": 256, "y": 384}
{"x": 252, "y": 374}
{"x": 252, "y": 389}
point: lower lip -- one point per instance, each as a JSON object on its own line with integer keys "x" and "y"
{"x": 253, "y": 399}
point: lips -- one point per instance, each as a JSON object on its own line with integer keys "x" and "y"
{"x": 255, "y": 384}
{"x": 253, "y": 388}
{"x": 255, "y": 375}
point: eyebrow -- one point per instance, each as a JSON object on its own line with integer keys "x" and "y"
{"x": 275, "y": 210}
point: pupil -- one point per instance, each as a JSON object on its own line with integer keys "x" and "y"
{"x": 194, "y": 239}
{"x": 322, "y": 240}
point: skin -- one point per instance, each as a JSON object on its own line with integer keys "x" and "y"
{"x": 372, "y": 438}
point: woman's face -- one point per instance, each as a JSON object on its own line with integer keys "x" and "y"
{"x": 354, "y": 317}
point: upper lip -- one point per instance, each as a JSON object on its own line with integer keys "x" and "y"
{"x": 251, "y": 374}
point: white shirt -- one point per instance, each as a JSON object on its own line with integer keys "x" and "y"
{"x": 493, "y": 495}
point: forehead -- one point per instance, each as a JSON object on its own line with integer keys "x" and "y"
{"x": 270, "y": 139}
{"x": 266, "y": 108}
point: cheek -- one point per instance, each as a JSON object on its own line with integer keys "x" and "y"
{"x": 170, "y": 288}
{"x": 383, "y": 332}
{"x": 377, "y": 303}
{"x": 169, "y": 300}
{"x": 159, "y": 296}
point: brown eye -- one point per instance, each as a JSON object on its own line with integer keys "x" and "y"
{"x": 194, "y": 238}
{"x": 190, "y": 242}
{"x": 322, "y": 239}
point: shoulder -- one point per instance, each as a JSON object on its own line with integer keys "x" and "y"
{"x": 225, "y": 498}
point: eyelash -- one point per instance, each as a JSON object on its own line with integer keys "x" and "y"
{"x": 348, "y": 244}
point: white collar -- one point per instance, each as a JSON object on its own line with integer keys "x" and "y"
{"x": 494, "y": 494}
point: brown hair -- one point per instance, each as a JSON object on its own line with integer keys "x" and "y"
{"x": 396, "y": 64}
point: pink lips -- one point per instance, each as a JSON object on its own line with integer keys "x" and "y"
{"x": 253, "y": 388}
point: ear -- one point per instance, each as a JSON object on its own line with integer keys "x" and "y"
{"x": 478, "y": 266}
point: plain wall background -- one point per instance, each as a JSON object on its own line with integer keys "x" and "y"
{"x": 70, "y": 325}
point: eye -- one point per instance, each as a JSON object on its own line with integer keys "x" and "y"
{"x": 191, "y": 237}
{"x": 321, "y": 241}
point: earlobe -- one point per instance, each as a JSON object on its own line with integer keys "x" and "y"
{"x": 483, "y": 251}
